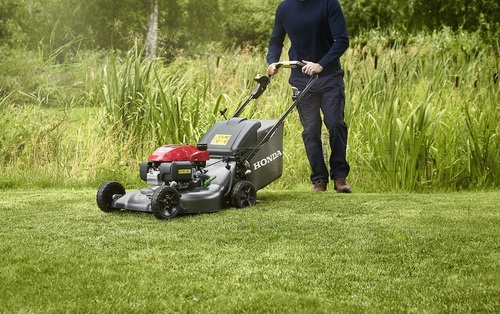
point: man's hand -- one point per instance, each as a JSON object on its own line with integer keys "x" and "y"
{"x": 272, "y": 69}
{"x": 311, "y": 68}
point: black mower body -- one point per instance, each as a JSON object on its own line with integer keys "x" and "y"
{"x": 238, "y": 136}
{"x": 223, "y": 139}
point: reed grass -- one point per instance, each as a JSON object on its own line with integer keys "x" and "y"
{"x": 422, "y": 115}
{"x": 409, "y": 116}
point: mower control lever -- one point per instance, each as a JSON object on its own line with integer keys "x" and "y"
{"x": 262, "y": 82}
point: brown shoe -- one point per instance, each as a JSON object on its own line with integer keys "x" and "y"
{"x": 319, "y": 186}
{"x": 341, "y": 185}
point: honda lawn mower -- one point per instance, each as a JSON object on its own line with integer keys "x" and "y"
{"x": 232, "y": 161}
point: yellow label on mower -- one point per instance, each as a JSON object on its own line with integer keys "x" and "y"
{"x": 221, "y": 139}
{"x": 184, "y": 171}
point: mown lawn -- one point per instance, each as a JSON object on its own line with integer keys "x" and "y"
{"x": 295, "y": 252}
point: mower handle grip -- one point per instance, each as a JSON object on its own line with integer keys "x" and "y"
{"x": 290, "y": 64}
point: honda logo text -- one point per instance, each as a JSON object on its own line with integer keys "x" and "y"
{"x": 265, "y": 161}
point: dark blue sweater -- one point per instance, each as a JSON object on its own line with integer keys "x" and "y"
{"x": 317, "y": 30}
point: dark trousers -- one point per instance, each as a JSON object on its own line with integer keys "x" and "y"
{"x": 327, "y": 95}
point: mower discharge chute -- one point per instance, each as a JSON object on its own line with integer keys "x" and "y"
{"x": 232, "y": 161}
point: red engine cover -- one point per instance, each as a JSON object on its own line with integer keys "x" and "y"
{"x": 172, "y": 152}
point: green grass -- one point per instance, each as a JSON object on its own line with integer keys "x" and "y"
{"x": 295, "y": 252}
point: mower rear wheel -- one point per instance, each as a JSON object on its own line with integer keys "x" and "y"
{"x": 243, "y": 194}
{"x": 166, "y": 202}
{"x": 108, "y": 191}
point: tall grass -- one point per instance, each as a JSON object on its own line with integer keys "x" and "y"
{"x": 148, "y": 103}
{"x": 415, "y": 113}
{"x": 421, "y": 115}
{"x": 29, "y": 145}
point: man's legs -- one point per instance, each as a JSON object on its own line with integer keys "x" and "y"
{"x": 309, "y": 113}
{"x": 328, "y": 96}
{"x": 332, "y": 106}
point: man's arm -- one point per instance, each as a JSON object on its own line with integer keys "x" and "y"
{"x": 275, "y": 47}
{"x": 338, "y": 29}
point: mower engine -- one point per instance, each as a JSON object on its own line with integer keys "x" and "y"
{"x": 178, "y": 166}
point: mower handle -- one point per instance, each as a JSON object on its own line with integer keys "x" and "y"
{"x": 296, "y": 99}
{"x": 264, "y": 80}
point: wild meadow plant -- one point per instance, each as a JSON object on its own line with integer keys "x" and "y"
{"x": 422, "y": 118}
{"x": 156, "y": 103}
{"x": 421, "y": 115}
{"x": 30, "y": 143}
{"x": 149, "y": 104}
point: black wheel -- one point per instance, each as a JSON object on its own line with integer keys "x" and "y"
{"x": 166, "y": 202}
{"x": 107, "y": 193}
{"x": 243, "y": 194}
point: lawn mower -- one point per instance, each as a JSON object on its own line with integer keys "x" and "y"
{"x": 232, "y": 161}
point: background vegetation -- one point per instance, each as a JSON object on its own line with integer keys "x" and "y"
{"x": 80, "y": 104}
{"x": 190, "y": 25}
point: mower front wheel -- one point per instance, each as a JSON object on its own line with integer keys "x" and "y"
{"x": 166, "y": 202}
{"x": 109, "y": 191}
{"x": 243, "y": 194}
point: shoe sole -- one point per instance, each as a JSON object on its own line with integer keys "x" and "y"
{"x": 344, "y": 191}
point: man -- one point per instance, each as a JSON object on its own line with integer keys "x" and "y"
{"x": 318, "y": 33}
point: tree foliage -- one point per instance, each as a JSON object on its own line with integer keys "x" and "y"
{"x": 13, "y": 29}
{"x": 188, "y": 24}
